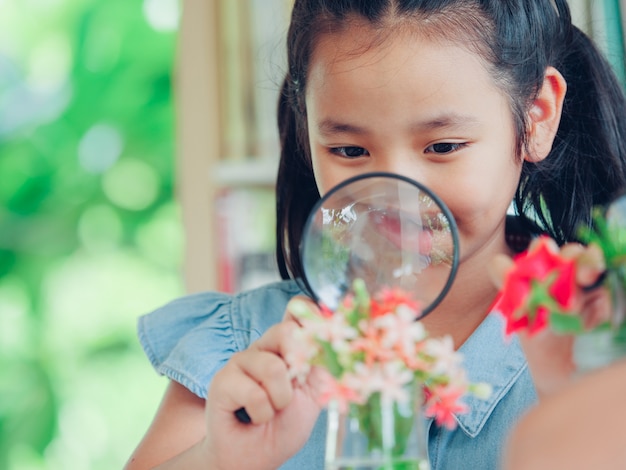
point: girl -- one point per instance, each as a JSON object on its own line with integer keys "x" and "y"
{"x": 483, "y": 101}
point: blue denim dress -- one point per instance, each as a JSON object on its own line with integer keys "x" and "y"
{"x": 191, "y": 338}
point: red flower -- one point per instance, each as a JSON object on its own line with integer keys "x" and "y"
{"x": 540, "y": 282}
{"x": 388, "y": 300}
{"x": 325, "y": 311}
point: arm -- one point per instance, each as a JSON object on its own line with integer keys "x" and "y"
{"x": 190, "y": 433}
{"x": 579, "y": 427}
{"x": 179, "y": 425}
{"x": 550, "y": 355}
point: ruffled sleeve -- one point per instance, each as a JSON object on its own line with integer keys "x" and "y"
{"x": 190, "y": 339}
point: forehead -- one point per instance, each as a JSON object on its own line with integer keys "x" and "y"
{"x": 359, "y": 65}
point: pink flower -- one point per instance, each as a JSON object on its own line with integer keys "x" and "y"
{"x": 443, "y": 403}
{"x": 402, "y": 334}
{"x": 394, "y": 378}
{"x": 371, "y": 343}
{"x": 332, "y": 329}
{"x": 444, "y": 354}
{"x": 329, "y": 388}
{"x": 365, "y": 379}
{"x": 389, "y": 379}
{"x": 302, "y": 350}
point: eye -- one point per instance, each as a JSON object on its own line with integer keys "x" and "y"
{"x": 443, "y": 148}
{"x": 349, "y": 152}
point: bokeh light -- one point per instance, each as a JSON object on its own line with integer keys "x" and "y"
{"x": 100, "y": 147}
{"x": 162, "y": 15}
{"x": 131, "y": 184}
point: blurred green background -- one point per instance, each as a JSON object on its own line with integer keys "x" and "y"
{"x": 90, "y": 232}
{"x": 90, "y": 235}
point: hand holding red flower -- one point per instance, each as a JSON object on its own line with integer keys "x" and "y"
{"x": 545, "y": 284}
{"x": 543, "y": 296}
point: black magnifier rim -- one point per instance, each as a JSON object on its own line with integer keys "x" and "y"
{"x": 304, "y": 282}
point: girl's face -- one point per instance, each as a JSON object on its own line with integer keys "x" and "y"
{"x": 422, "y": 108}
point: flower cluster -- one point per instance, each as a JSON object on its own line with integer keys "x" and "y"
{"x": 374, "y": 346}
{"x": 539, "y": 285}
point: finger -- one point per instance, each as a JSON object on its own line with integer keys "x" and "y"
{"x": 545, "y": 343}
{"x": 271, "y": 373}
{"x": 260, "y": 383}
{"x": 545, "y": 240}
{"x": 572, "y": 250}
{"x": 232, "y": 391}
{"x": 270, "y": 366}
{"x": 300, "y": 306}
{"x": 589, "y": 262}
{"x": 549, "y": 360}
{"x": 596, "y": 308}
{"x": 278, "y": 339}
{"x": 590, "y": 279}
{"x": 593, "y": 256}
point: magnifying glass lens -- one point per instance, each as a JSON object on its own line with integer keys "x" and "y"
{"x": 385, "y": 229}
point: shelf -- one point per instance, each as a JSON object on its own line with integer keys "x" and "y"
{"x": 245, "y": 172}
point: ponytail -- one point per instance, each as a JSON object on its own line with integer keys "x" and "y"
{"x": 586, "y": 166}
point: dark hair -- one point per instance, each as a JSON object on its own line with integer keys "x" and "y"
{"x": 517, "y": 40}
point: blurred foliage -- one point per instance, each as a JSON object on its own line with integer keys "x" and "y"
{"x": 89, "y": 230}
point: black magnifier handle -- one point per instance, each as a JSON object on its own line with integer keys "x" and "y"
{"x": 598, "y": 282}
{"x": 242, "y": 416}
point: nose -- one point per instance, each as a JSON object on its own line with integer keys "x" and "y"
{"x": 402, "y": 162}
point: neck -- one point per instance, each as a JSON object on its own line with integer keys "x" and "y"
{"x": 463, "y": 309}
{"x": 469, "y": 300}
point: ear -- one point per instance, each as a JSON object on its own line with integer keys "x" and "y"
{"x": 545, "y": 115}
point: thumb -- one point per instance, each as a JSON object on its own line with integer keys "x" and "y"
{"x": 301, "y": 307}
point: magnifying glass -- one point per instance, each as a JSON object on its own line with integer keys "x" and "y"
{"x": 387, "y": 230}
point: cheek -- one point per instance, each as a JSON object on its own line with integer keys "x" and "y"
{"x": 321, "y": 176}
{"x": 481, "y": 197}
{"x": 326, "y": 172}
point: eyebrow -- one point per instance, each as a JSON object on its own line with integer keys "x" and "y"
{"x": 330, "y": 127}
{"x": 447, "y": 121}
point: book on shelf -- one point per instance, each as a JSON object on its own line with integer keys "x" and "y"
{"x": 245, "y": 225}
{"x": 233, "y": 75}
{"x": 252, "y": 57}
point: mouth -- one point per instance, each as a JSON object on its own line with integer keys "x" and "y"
{"x": 404, "y": 232}
{"x": 427, "y": 235}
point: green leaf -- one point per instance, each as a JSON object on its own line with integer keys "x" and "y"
{"x": 330, "y": 359}
{"x": 620, "y": 334}
{"x": 563, "y": 323}
{"x": 361, "y": 296}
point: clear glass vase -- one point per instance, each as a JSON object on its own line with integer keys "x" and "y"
{"x": 607, "y": 344}
{"x": 378, "y": 435}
